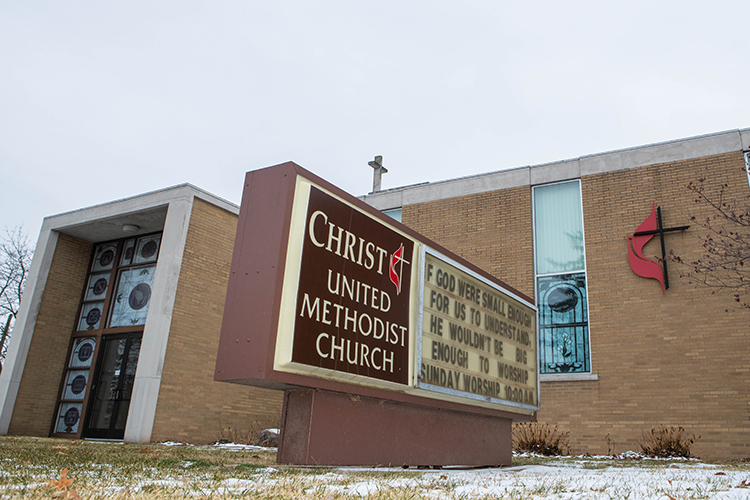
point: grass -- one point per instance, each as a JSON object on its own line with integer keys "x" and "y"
{"x": 121, "y": 471}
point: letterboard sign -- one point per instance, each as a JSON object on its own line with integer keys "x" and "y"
{"x": 478, "y": 341}
{"x": 326, "y": 292}
{"x": 349, "y": 295}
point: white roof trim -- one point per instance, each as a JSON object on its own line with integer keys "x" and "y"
{"x": 621, "y": 159}
{"x": 136, "y": 203}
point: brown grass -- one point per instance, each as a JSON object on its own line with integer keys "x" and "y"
{"x": 667, "y": 442}
{"x": 539, "y": 438}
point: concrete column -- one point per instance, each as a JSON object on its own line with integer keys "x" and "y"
{"x": 18, "y": 348}
{"x": 158, "y": 322}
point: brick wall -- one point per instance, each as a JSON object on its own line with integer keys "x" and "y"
{"x": 491, "y": 230}
{"x": 677, "y": 359}
{"x": 192, "y": 406}
{"x": 37, "y": 394}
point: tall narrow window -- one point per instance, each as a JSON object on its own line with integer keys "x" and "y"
{"x": 561, "y": 279}
{"x": 105, "y": 343}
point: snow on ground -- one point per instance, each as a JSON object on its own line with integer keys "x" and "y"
{"x": 241, "y": 447}
{"x": 222, "y": 445}
{"x": 567, "y": 482}
{"x": 584, "y": 477}
{"x": 581, "y": 479}
{"x": 633, "y": 476}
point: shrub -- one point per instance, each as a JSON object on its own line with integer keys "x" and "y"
{"x": 667, "y": 442}
{"x": 539, "y": 438}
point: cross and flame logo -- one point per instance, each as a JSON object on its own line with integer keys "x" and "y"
{"x": 397, "y": 260}
{"x": 640, "y": 264}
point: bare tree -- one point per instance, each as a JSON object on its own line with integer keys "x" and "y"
{"x": 15, "y": 260}
{"x": 725, "y": 242}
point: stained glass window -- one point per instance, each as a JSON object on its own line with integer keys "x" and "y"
{"x": 147, "y": 249}
{"x": 563, "y": 323}
{"x": 104, "y": 257}
{"x": 128, "y": 250}
{"x": 75, "y": 384}
{"x": 83, "y": 352}
{"x": 561, "y": 279}
{"x": 133, "y": 295}
{"x": 117, "y": 294}
{"x": 91, "y": 315}
{"x": 97, "y": 288}
{"x": 68, "y": 418}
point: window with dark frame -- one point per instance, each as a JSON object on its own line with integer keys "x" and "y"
{"x": 560, "y": 269}
{"x": 105, "y": 311}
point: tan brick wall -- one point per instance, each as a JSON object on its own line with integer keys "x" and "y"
{"x": 677, "y": 359}
{"x": 37, "y": 394}
{"x": 192, "y": 406}
{"x": 491, "y": 230}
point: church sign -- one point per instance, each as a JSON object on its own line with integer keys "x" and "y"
{"x": 478, "y": 341}
{"x": 346, "y": 309}
{"x": 327, "y": 292}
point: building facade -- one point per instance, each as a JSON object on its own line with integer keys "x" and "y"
{"x": 619, "y": 355}
{"x": 118, "y": 331}
{"x": 119, "y": 326}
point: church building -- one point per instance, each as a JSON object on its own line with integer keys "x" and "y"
{"x": 620, "y": 354}
{"x": 119, "y": 325}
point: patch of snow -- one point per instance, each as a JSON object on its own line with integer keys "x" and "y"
{"x": 373, "y": 486}
{"x": 166, "y": 483}
{"x": 239, "y": 447}
{"x": 24, "y": 486}
{"x": 239, "y": 483}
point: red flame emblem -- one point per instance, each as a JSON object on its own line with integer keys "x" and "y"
{"x": 397, "y": 260}
{"x": 641, "y": 265}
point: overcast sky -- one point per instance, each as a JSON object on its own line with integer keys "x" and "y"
{"x": 101, "y": 100}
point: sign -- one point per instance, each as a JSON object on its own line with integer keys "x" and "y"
{"x": 326, "y": 292}
{"x": 477, "y": 340}
{"x": 352, "y": 303}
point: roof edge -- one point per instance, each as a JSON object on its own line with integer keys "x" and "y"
{"x": 560, "y": 170}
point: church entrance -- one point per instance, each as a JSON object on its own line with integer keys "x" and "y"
{"x": 113, "y": 386}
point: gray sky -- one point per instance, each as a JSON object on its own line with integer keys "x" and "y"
{"x": 101, "y": 100}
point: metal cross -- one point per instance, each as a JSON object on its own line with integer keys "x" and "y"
{"x": 379, "y": 170}
{"x": 660, "y": 230}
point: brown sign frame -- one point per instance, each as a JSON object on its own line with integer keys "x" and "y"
{"x": 255, "y": 294}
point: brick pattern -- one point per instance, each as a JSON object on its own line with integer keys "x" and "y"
{"x": 193, "y": 407}
{"x": 37, "y": 394}
{"x": 491, "y": 230}
{"x": 677, "y": 359}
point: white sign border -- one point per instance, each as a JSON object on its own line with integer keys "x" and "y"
{"x": 282, "y": 360}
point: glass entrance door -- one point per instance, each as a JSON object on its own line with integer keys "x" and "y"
{"x": 113, "y": 386}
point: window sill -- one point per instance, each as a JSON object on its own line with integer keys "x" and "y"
{"x": 568, "y": 377}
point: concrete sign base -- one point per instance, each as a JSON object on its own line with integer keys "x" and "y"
{"x": 329, "y": 428}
